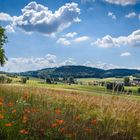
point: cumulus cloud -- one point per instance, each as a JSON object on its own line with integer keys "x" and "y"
{"x": 63, "y": 41}
{"x": 112, "y": 15}
{"x": 101, "y": 65}
{"x": 71, "y": 34}
{"x": 5, "y": 17}
{"x": 9, "y": 29}
{"x": 108, "y": 41}
{"x": 130, "y": 15}
{"x": 122, "y": 2}
{"x": 69, "y": 61}
{"x": 20, "y": 64}
{"x": 36, "y": 17}
{"x": 81, "y": 39}
{"x": 31, "y": 63}
{"x": 125, "y": 54}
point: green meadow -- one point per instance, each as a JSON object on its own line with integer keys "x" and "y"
{"x": 40, "y": 111}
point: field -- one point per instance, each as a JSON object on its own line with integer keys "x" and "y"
{"x": 37, "y": 111}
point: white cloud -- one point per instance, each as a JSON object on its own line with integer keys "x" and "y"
{"x": 5, "y": 17}
{"x": 125, "y": 54}
{"x": 9, "y": 29}
{"x": 31, "y": 63}
{"x": 81, "y": 39}
{"x": 69, "y": 61}
{"x": 108, "y": 41}
{"x": 101, "y": 65}
{"x": 111, "y": 14}
{"x": 63, "y": 41}
{"x": 36, "y": 17}
{"x": 20, "y": 64}
{"x": 130, "y": 15}
{"x": 71, "y": 34}
{"x": 122, "y": 2}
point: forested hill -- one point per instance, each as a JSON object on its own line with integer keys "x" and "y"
{"x": 80, "y": 72}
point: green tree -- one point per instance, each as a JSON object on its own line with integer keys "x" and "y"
{"x": 71, "y": 80}
{"x": 3, "y": 40}
{"x": 127, "y": 81}
{"x": 23, "y": 80}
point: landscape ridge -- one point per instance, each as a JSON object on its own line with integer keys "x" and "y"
{"x": 79, "y": 71}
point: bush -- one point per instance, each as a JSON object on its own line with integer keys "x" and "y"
{"x": 23, "y": 80}
{"x": 109, "y": 86}
{"x": 48, "y": 81}
{"x": 118, "y": 87}
{"x": 27, "y": 78}
{"x": 2, "y": 79}
{"x": 9, "y": 80}
{"x": 138, "y": 90}
{"x": 127, "y": 81}
{"x": 71, "y": 80}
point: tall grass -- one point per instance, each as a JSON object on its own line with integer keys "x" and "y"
{"x": 29, "y": 113}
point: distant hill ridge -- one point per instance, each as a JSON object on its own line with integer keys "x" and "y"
{"x": 80, "y": 72}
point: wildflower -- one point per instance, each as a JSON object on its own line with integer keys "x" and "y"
{"x": 1, "y": 103}
{"x": 1, "y": 116}
{"x": 10, "y": 104}
{"x": 57, "y": 111}
{"x": 14, "y": 111}
{"x": 88, "y": 130}
{"x": 8, "y": 124}
{"x": 1, "y": 99}
{"x": 54, "y": 125}
{"x": 3, "y": 111}
{"x": 25, "y": 119}
{"x": 26, "y": 110}
{"x": 62, "y": 130}
{"x": 33, "y": 110}
{"x": 94, "y": 122}
{"x": 60, "y": 122}
{"x": 26, "y": 96}
{"x": 77, "y": 118}
{"x": 23, "y": 131}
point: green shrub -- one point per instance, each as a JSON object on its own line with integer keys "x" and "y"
{"x": 23, "y": 80}
{"x": 138, "y": 90}
{"x": 2, "y": 79}
{"x": 9, "y": 80}
{"x": 118, "y": 87}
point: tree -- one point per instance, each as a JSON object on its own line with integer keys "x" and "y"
{"x": 48, "y": 80}
{"x": 2, "y": 79}
{"x": 23, "y": 80}
{"x": 117, "y": 87}
{"x": 3, "y": 40}
{"x": 127, "y": 81}
{"x": 71, "y": 80}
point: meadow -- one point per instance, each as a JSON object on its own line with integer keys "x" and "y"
{"x": 35, "y": 111}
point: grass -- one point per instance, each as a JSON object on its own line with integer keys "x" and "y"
{"x": 86, "y": 80}
{"x": 40, "y": 113}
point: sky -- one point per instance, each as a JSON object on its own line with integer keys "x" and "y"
{"x": 51, "y": 33}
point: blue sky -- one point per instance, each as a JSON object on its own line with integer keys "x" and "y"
{"x": 49, "y": 33}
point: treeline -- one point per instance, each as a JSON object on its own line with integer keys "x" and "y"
{"x": 80, "y": 72}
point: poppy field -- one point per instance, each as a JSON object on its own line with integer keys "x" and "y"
{"x": 35, "y": 113}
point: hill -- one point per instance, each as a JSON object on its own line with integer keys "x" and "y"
{"x": 80, "y": 72}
